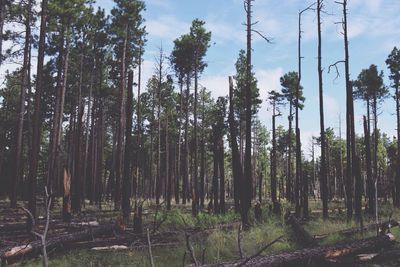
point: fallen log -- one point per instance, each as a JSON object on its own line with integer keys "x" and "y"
{"x": 318, "y": 255}
{"x": 356, "y": 230}
{"x": 34, "y": 248}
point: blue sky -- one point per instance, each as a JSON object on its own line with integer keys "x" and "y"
{"x": 373, "y": 30}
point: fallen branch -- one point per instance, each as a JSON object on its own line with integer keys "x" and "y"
{"x": 149, "y": 244}
{"x": 190, "y": 249}
{"x": 319, "y": 255}
{"x": 239, "y": 242}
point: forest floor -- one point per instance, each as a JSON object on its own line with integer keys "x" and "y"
{"x": 214, "y": 238}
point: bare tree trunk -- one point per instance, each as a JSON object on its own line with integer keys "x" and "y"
{"x": 323, "y": 173}
{"x": 179, "y": 165}
{"x": 186, "y": 160}
{"x": 221, "y": 173}
{"x": 215, "y": 188}
{"x": 247, "y": 181}
{"x": 397, "y": 180}
{"x": 127, "y": 179}
{"x": 237, "y": 169}
{"x": 121, "y": 126}
{"x": 17, "y": 172}
{"x": 202, "y": 153}
{"x": 36, "y": 125}
{"x": 77, "y": 176}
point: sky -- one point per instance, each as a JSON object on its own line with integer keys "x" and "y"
{"x": 373, "y": 27}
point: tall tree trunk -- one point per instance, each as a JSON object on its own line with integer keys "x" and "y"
{"x": 121, "y": 126}
{"x": 186, "y": 160}
{"x": 237, "y": 169}
{"x": 17, "y": 172}
{"x": 247, "y": 181}
{"x": 77, "y": 176}
{"x": 195, "y": 190}
{"x": 289, "y": 167}
{"x": 179, "y": 165}
{"x": 168, "y": 186}
{"x": 397, "y": 180}
{"x": 323, "y": 173}
{"x": 215, "y": 188}
{"x": 202, "y": 153}
{"x": 127, "y": 179}
{"x": 221, "y": 172}
{"x": 273, "y": 162}
{"x": 36, "y": 124}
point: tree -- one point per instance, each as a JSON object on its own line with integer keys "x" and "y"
{"x": 370, "y": 87}
{"x": 289, "y": 83}
{"x": 200, "y": 38}
{"x": 275, "y": 99}
{"x": 25, "y": 83}
{"x": 128, "y": 29}
{"x": 36, "y": 122}
{"x": 247, "y": 175}
{"x": 393, "y": 63}
{"x": 324, "y": 189}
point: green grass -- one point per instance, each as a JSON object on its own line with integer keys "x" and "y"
{"x": 221, "y": 245}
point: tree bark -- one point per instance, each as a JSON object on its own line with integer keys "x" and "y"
{"x": 121, "y": 126}
{"x": 323, "y": 178}
{"x": 127, "y": 179}
{"x": 36, "y": 124}
{"x": 237, "y": 169}
{"x": 17, "y": 172}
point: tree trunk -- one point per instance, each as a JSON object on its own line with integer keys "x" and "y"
{"x": 17, "y": 172}
{"x": 36, "y": 123}
{"x": 221, "y": 164}
{"x": 215, "y": 188}
{"x": 323, "y": 178}
{"x": 237, "y": 169}
{"x": 127, "y": 179}
{"x": 397, "y": 180}
{"x": 77, "y": 177}
{"x": 121, "y": 126}
{"x": 247, "y": 181}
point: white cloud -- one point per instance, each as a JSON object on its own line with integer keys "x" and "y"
{"x": 166, "y": 27}
{"x": 217, "y": 84}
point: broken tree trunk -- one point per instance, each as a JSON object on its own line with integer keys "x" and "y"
{"x": 318, "y": 255}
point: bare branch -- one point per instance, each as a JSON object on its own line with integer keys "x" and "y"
{"x": 150, "y": 252}
{"x": 336, "y": 68}
{"x": 268, "y": 39}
